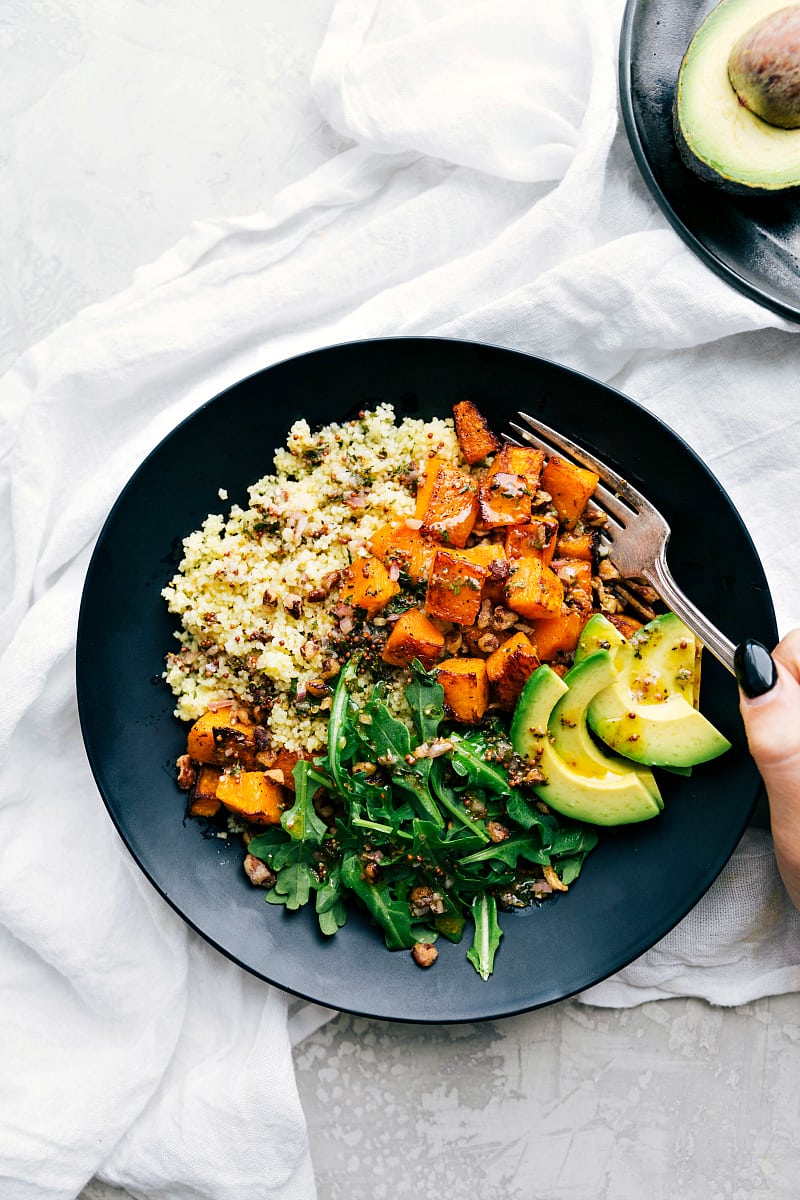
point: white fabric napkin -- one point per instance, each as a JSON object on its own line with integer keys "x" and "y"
{"x": 487, "y": 194}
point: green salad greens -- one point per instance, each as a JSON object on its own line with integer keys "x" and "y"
{"x": 429, "y": 834}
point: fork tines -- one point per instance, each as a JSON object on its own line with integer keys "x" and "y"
{"x": 613, "y": 493}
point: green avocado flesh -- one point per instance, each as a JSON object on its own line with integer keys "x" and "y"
{"x": 669, "y": 734}
{"x": 717, "y": 135}
{"x": 613, "y": 798}
{"x": 648, "y": 714}
{"x": 637, "y": 696}
{"x": 569, "y": 730}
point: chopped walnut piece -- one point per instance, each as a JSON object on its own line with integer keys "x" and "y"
{"x": 496, "y": 831}
{"x": 187, "y": 774}
{"x": 259, "y": 874}
{"x": 424, "y": 954}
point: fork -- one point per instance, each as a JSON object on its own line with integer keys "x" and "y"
{"x": 635, "y": 534}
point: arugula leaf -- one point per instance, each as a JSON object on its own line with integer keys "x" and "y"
{"x": 340, "y": 737}
{"x": 301, "y": 821}
{"x": 330, "y": 904}
{"x": 468, "y": 759}
{"x": 391, "y": 914}
{"x": 570, "y": 868}
{"x": 577, "y": 840}
{"x": 425, "y": 698}
{"x": 449, "y": 800}
{"x": 296, "y": 879}
{"x": 487, "y": 935}
{"x": 509, "y": 852}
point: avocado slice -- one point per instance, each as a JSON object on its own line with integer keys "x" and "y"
{"x": 601, "y": 634}
{"x": 664, "y": 661}
{"x": 717, "y": 134}
{"x": 669, "y": 734}
{"x": 569, "y": 731}
{"x": 613, "y": 798}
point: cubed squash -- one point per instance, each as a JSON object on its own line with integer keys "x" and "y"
{"x": 482, "y": 555}
{"x": 503, "y": 499}
{"x": 509, "y": 667}
{"x": 423, "y": 552}
{"x": 535, "y": 540}
{"x": 454, "y": 588}
{"x": 466, "y": 688}
{"x": 452, "y": 509}
{"x": 582, "y": 544}
{"x": 569, "y": 486}
{"x": 429, "y": 472}
{"x": 558, "y": 635}
{"x": 221, "y": 737}
{"x": 252, "y": 795}
{"x": 367, "y": 585}
{"x": 533, "y": 590}
{"x": 520, "y": 460}
{"x": 475, "y": 437}
{"x": 203, "y": 800}
{"x": 413, "y": 635}
{"x": 393, "y": 543}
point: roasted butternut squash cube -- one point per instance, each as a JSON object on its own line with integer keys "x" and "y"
{"x": 466, "y": 688}
{"x": 503, "y": 499}
{"x": 509, "y": 667}
{"x": 221, "y": 737}
{"x": 520, "y": 460}
{"x": 482, "y": 555}
{"x": 558, "y": 635}
{"x": 454, "y": 588}
{"x": 423, "y": 552}
{"x": 367, "y": 585}
{"x": 251, "y": 794}
{"x": 533, "y": 590}
{"x": 535, "y": 540}
{"x": 583, "y": 545}
{"x": 203, "y": 800}
{"x": 425, "y": 488}
{"x": 413, "y": 635}
{"x": 569, "y": 486}
{"x": 475, "y": 437}
{"x": 393, "y": 543}
{"x": 452, "y": 509}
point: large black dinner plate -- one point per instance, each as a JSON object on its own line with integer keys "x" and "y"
{"x": 635, "y": 886}
{"x": 753, "y": 243}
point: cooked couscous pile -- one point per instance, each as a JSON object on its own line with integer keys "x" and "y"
{"x": 251, "y": 588}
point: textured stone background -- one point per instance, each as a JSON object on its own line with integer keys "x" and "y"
{"x": 121, "y": 121}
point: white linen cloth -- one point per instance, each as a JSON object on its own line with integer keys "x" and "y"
{"x": 488, "y": 194}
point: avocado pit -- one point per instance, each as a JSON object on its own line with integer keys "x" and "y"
{"x": 736, "y": 112}
{"x": 764, "y": 68}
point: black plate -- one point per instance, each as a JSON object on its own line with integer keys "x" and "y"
{"x": 750, "y": 242}
{"x": 636, "y": 885}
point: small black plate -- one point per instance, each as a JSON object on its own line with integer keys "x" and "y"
{"x": 751, "y": 242}
{"x": 639, "y": 882}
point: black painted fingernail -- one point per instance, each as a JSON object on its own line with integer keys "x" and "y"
{"x": 755, "y": 671}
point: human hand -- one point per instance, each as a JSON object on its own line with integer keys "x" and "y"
{"x": 770, "y": 705}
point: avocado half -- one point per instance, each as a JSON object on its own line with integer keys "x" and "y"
{"x": 720, "y": 139}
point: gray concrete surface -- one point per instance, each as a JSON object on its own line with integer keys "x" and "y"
{"x": 673, "y": 1099}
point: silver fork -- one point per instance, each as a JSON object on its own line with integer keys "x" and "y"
{"x": 635, "y": 534}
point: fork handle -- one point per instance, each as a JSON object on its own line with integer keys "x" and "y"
{"x": 661, "y": 578}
